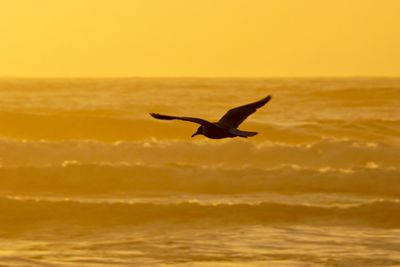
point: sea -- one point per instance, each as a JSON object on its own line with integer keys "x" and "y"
{"x": 88, "y": 178}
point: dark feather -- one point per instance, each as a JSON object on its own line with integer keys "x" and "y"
{"x": 167, "y": 117}
{"x": 234, "y": 117}
{"x": 162, "y": 117}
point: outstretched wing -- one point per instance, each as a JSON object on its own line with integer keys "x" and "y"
{"x": 167, "y": 117}
{"x": 234, "y": 117}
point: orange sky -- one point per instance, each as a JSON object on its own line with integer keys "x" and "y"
{"x": 265, "y": 38}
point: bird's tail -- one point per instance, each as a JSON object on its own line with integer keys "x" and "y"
{"x": 242, "y": 133}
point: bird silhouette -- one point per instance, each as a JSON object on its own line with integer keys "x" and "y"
{"x": 227, "y": 126}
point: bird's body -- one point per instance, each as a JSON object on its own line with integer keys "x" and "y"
{"x": 216, "y": 132}
{"x": 227, "y": 126}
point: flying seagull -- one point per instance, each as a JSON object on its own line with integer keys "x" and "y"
{"x": 227, "y": 126}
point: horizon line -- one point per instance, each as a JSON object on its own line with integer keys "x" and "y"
{"x": 202, "y": 77}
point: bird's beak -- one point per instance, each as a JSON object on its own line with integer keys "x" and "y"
{"x": 196, "y": 133}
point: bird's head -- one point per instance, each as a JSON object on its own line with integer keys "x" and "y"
{"x": 198, "y": 131}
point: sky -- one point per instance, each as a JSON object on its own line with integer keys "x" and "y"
{"x": 193, "y": 38}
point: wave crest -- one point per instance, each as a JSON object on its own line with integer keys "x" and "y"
{"x": 337, "y": 153}
{"x": 377, "y": 213}
{"x": 75, "y": 178}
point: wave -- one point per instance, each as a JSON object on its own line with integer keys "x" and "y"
{"x": 82, "y": 179}
{"x": 27, "y": 213}
{"x": 335, "y": 153}
{"x": 112, "y": 125}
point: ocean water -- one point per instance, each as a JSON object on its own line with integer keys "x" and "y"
{"x": 88, "y": 178}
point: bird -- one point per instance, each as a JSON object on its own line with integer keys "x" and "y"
{"x": 227, "y": 126}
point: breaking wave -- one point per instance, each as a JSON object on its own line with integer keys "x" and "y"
{"x": 17, "y": 213}
{"x": 111, "y": 126}
{"x": 330, "y": 152}
{"x": 75, "y": 178}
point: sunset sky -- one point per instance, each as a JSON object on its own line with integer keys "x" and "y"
{"x": 247, "y": 38}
